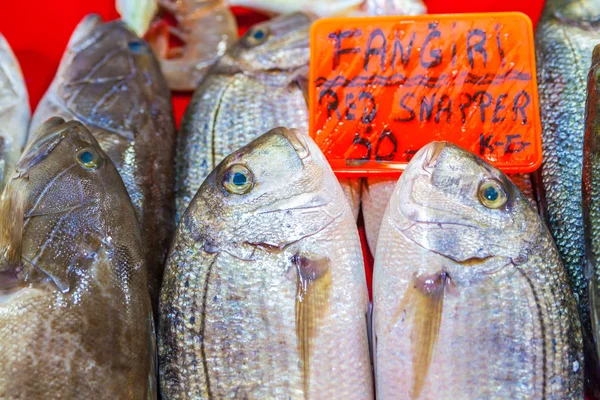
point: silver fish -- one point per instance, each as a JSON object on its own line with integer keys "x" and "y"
{"x": 471, "y": 300}
{"x": 110, "y": 81}
{"x": 75, "y": 314}
{"x": 565, "y": 39}
{"x": 259, "y": 84}
{"x": 14, "y": 112}
{"x": 265, "y": 294}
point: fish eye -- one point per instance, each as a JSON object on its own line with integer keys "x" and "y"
{"x": 238, "y": 179}
{"x": 256, "y": 36}
{"x": 137, "y": 46}
{"x": 492, "y": 194}
{"x": 88, "y": 158}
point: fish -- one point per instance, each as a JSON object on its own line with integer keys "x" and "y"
{"x": 14, "y": 111}
{"x": 565, "y": 38}
{"x": 591, "y": 202}
{"x": 137, "y": 14}
{"x": 337, "y": 7}
{"x": 109, "y": 80}
{"x": 204, "y": 28}
{"x": 258, "y": 85}
{"x": 75, "y": 314}
{"x": 265, "y": 293}
{"x": 470, "y": 298}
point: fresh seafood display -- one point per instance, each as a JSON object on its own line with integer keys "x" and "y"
{"x": 75, "y": 315}
{"x": 266, "y": 272}
{"x": 230, "y": 260}
{"x": 464, "y": 265}
{"x": 110, "y": 81}
{"x": 14, "y": 112}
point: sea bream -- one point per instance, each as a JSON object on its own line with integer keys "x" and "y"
{"x": 471, "y": 300}
{"x": 110, "y": 81}
{"x": 14, "y": 112}
{"x": 75, "y": 314}
{"x": 259, "y": 84}
{"x": 565, "y": 39}
{"x": 265, "y": 294}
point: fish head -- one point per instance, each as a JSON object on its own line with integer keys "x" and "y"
{"x": 65, "y": 214}
{"x": 280, "y": 44}
{"x": 451, "y": 202}
{"x": 110, "y": 79}
{"x": 271, "y": 193}
{"x": 576, "y": 12}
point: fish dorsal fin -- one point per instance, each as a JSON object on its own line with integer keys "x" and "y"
{"x": 424, "y": 302}
{"x": 312, "y": 304}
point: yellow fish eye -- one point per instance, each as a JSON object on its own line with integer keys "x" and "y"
{"x": 238, "y": 179}
{"x": 492, "y": 194}
{"x": 256, "y": 36}
{"x": 88, "y": 158}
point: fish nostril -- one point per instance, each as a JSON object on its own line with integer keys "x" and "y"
{"x": 433, "y": 152}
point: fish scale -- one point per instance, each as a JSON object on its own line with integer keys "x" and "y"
{"x": 565, "y": 39}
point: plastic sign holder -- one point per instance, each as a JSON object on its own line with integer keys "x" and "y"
{"x": 383, "y": 87}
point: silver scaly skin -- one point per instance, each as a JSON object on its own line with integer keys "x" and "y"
{"x": 258, "y": 85}
{"x": 565, "y": 39}
{"x": 471, "y": 300}
{"x": 14, "y": 112}
{"x": 265, "y": 294}
{"x": 110, "y": 80}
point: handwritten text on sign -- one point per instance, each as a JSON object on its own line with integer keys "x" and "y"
{"x": 382, "y": 88}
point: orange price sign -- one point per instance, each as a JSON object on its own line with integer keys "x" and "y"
{"x": 383, "y": 87}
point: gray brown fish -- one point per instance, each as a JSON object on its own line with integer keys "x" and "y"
{"x": 14, "y": 112}
{"x": 75, "y": 314}
{"x": 205, "y": 29}
{"x": 264, "y": 294}
{"x": 471, "y": 300}
{"x": 110, "y": 81}
{"x": 565, "y": 38}
{"x": 259, "y": 84}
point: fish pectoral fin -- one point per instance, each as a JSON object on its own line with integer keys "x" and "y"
{"x": 312, "y": 304}
{"x": 423, "y": 305}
